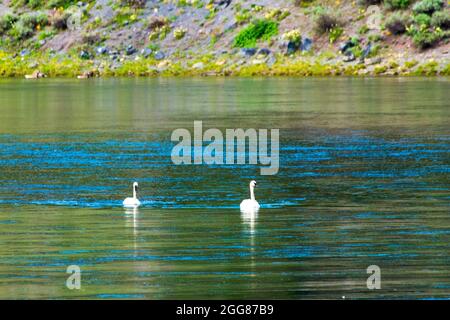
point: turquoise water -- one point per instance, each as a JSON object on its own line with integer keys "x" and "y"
{"x": 363, "y": 180}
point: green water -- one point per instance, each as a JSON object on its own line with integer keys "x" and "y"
{"x": 363, "y": 180}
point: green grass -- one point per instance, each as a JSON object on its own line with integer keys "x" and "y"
{"x": 258, "y": 30}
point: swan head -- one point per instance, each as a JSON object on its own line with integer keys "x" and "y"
{"x": 135, "y": 186}
{"x": 252, "y": 183}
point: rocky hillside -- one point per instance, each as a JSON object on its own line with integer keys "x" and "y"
{"x": 223, "y": 37}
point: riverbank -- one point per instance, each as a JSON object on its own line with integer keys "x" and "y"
{"x": 223, "y": 38}
{"x": 62, "y": 65}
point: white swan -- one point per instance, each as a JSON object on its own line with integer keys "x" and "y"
{"x": 132, "y": 202}
{"x": 250, "y": 205}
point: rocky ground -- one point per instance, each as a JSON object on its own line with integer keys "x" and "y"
{"x": 223, "y": 37}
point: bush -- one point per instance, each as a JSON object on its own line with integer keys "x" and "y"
{"x": 27, "y": 23}
{"x": 59, "y": 18}
{"x": 428, "y": 6}
{"x": 7, "y": 22}
{"x": 426, "y": 39}
{"x": 21, "y": 31}
{"x": 369, "y": 2}
{"x": 157, "y": 22}
{"x": 326, "y": 22}
{"x": 29, "y": 3}
{"x": 260, "y": 29}
{"x": 60, "y": 3}
{"x": 293, "y": 36}
{"x": 335, "y": 33}
{"x": 441, "y": 19}
{"x": 179, "y": 33}
{"x": 422, "y": 19}
{"x": 397, "y": 4}
{"x": 34, "y": 19}
{"x": 397, "y": 23}
{"x": 134, "y": 3}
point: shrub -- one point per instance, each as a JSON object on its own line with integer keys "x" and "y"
{"x": 134, "y": 3}
{"x": 293, "y": 35}
{"x": 34, "y": 19}
{"x": 157, "y": 22}
{"x": 428, "y": 6}
{"x": 27, "y": 23}
{"x": 35, "y": 3}
{"x": 422, "y": 19}
{"x": 276, "y": 14}
{"x": 303, "y": 3}
{"x": 441, "y": 19}
{"x": 397, "y": 23}
{"x": 159, "y": 33}
{"x": 325, "y": 22}
{"x": 29, "y": 3}
{"x": 179, "y": 33}
{"x": 243, "y": 17}
{"x": 260, "y": 29}
{"x": 7, "y": 22}
{"x": 426, "y": 39}
{"x": 59, "y": 18}
{"x": 21, "y": 31}
{"x": 335, "y": 33}
{"x": 369, "y": 2}
{"x": 60, "y": 3}
{"x": 397, "y": 4}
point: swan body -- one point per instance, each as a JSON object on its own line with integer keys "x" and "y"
{"x": 250, "y": 205}
{"x": 134, "y": 201}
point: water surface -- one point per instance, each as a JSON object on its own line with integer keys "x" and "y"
{"x": 363, "y": 180}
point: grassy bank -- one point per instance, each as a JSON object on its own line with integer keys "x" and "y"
{"x": 71, "y": 66}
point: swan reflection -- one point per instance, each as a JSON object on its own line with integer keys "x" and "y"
{"x": 131, "y": 216}
{"x": 249, "y": 218}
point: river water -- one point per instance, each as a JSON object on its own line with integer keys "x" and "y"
{"x": 363, "y": 180}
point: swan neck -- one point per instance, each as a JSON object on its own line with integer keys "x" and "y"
{"x": 134, "y": 192}
{"x": 252, "y": 193}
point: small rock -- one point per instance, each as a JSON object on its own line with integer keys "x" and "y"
{"x": 163, "y": 65}
{"x": 372, "y": 61}
{"x": 306, "y": 44}
{"x": 264, "y": 51}
{"x": 101, "y": 50}
{"x": 366, "y": 51}
{"x": 84, "y": 55}
{"x": 271, "y": 61}
{"x": 349, "y": 57}
{"x": 24, "y": 52}
{"x": 159, "y": 55}
{"x": 257, "y": 61}
{"x": 221, "y": 62}
{"x": 248, "y": 52}
{"x": 146, "y": 52}
{"x": 86, "y": 75}
{"x": 198, "y": 66}
{"x": 292, "y": 47}
{"x": 130, "y": 50}
{"x": 346, "y": 45}
{"x": 35, "y": 75}
{"x": 226, "y": 3}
